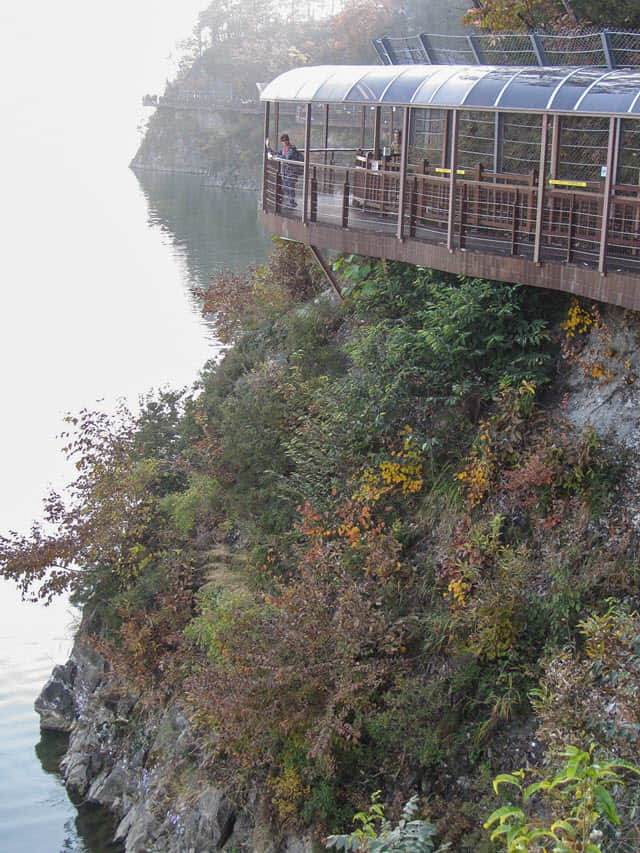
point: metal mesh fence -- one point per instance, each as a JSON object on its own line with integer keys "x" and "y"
{"x": 629, "y": 156}
{"x": 428, "y": 137}
{"x": 508, "y": 50}
{"x": 476, "y": 140}
{"x": 521, "y": 135}
{"x": 583, "y": 148}
{"x": 607, "y": 48}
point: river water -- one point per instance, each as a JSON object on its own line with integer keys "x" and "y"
{"x": 97, "y": 265}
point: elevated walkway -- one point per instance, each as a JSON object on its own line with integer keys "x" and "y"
{"x": 520, "y": 175}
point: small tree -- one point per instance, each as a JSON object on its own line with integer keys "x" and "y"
{"x": 408, "y": 836}
{"x": 583, "y": 785}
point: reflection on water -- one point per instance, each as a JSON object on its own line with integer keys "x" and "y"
{"x": 204, "y": 229}
{"x": 93, "y": 828}
{"x": 210, "y": 228}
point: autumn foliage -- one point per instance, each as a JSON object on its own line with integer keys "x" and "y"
{"x": 339, "y": 568}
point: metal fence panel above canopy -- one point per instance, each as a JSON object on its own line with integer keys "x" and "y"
{"x": 606, "y": 48}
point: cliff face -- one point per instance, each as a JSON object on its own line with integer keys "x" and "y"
{"x": 219, "y": 145}
{"x": 488, "y": 561}
{"x": 113, "y": 743}
{"x": 209, "y": 121}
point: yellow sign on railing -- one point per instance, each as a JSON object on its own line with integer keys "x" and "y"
{"x": 557, "y": 183}
{"x": 441, "y": 171}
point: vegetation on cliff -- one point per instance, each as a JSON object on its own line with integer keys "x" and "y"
{"x": 364, "y": 553}
{"x": 552, "y": 15}
{"x": 235, "y": 49}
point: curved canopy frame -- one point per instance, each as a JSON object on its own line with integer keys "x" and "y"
{"x": 582, "y": 90}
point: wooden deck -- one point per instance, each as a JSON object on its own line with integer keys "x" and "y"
{"x": 486, "y": 225}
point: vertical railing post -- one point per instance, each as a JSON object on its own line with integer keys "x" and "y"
{"x": 325, "y": 135}
{"x": 476, "y": 50}
{"x": 462, "y": 215}
{"x": 403, "y": 173}
{"x": 498, "y": 141}
{"x": 278, "y": 203}
{"x": 538, "y": 49}
{"x": 453, "y": 166}
{"x": 555, "y": 146}
{"x": 345, "y": 201}
{"x": 514, "y": 224}
{"x": 606, "y": 201}
{"x": 388, "y": 49}
{"x": 477, "y": 194}
{"x": 305, "y": 168}
{"x": 542, "y": 176}
{"x": 313, "y": 212}
{"x": 376, "y": 134}
{"x": 616, "y": 151}
{"x": 572, "y": 206}
{"x": 382, "y": 52}
{"x": 265, "y": 156}
{"x": 607, "y": 51}
{"x": 413, "y": 207}
{"x": 423, "y": 38}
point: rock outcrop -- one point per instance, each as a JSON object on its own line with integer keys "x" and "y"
{"x": 143, "y": 766}
{"x": 65, "y": 694}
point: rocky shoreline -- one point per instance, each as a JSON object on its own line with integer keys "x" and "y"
{"x": 143, "y": 767}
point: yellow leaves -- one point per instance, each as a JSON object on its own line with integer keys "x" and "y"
{"x": 480, "y": 468}
{"x": 598, "y": 359}
{"x": 579, "y": 320}
{"x": 459, "y": 590}
{"x": 289, "y": 793}
{"x": 402, "y": 473}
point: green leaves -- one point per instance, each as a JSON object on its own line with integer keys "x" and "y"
{"x": 583, "y": 782}
{"x": 448, "y": 333}
{"x": 408, "y": 836}
{"x": 605, "y": 804}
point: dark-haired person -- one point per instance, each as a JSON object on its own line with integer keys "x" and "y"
{"x": 290, "y": 174}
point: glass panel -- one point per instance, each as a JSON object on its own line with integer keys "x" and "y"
{"x": 573, "y": 89}
{"x": 336, "y": 84}
{"x": 561, "y": 89}
{"x": 615, "y": 93}
{"x": 372, "y": 84}
{"x": 437, "y": 76}
{"x": 287, "y": 85}
{"x": 402, "y": 90}
{"x": 454, "y": 90}
{"x": 486, "y": 90}
{"x": 531, "y": 89}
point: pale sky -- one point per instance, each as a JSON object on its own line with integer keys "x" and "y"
{"x": 93, "y": 304}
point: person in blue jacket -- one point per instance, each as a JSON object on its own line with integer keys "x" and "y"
{"x": 290, "y": 174}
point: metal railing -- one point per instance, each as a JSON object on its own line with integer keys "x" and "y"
{"x": 491, "y": 212}
{"x": 608, "y": 48}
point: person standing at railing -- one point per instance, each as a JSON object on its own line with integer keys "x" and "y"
{"x": 290, "y": 174}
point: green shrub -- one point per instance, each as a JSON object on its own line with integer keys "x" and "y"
{"x": 583, "y": 803}
{"x": 375, "y": 833}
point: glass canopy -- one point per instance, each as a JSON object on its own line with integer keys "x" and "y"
{"x": 590, "y": 90}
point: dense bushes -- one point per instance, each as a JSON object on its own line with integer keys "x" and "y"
{"x": 418, "y": 541}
